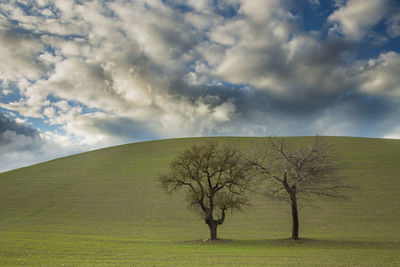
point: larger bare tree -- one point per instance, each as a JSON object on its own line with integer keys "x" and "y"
{"x": 289, "y": 172}
{"x": 215, "y": 179}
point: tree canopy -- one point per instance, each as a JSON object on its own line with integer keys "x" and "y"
{"x": 215, "y": 179}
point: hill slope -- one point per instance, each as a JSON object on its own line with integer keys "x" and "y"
{"x": 116, "y": 192}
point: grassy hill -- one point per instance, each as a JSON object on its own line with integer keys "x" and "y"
{"x": 107, "y": 207}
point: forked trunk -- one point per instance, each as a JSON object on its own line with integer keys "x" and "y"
{"x": 295, "y": 217}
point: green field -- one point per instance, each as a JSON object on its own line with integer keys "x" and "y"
{"x": 106, "y": 207}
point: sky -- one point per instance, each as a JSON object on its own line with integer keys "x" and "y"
{"x": 79, "y": 75}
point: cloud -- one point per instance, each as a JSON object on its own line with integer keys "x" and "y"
{"x": 10, "y": 128}
{"x": 394, "y": 134}
{"x": 289, "y": 65}
{"x": 239, "y": 55}
{"x": 96, "y": 129}
{"x": 19, "y": 54}
{"x": 393, "y": 28}
{"x": 18, "y": 143}
{"x": 100, "y": 73}
{"x": 356, "y": 18}
{"x": 22, "y": 145}
{"x": 314, "y": 2}
{"x": 381, "y": 76}
{"x": 182, "y": 117}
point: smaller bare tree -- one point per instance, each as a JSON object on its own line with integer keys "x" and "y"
{"x": 292, "y": 172}
{"x": 215, "y": 180}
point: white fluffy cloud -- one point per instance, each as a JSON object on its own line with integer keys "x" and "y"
{"x": 381, "y": 76}
{"x": 18, "y": 55}
{"x": 356, "y": 18}
{"x": 241, "y": 55}
{"x": 109, "y": 62}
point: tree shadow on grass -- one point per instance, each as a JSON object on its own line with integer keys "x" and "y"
{"x": 209, "y": 241}
{"x": 302, "y": 242}
{"x": 322, "y": 243}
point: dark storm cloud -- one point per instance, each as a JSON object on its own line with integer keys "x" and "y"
{"x": 20, "y": 145}
{"x": 124, "y": 129}
{"x": 10, "y": 125}
{"x": 16, "y": 136}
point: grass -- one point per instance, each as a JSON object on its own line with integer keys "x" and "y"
{"x": 106, "y": 208}
{"x": 69, "y": 250}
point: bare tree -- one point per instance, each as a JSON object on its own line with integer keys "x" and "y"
{"x": 292, "y": 172}
{"x": 215, "y": 180}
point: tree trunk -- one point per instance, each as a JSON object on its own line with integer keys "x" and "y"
{"x": 213, "y": 230}
{"x": 295, "y": 217}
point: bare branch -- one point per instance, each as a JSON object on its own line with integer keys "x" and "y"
{"x": 291, "y": 172}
